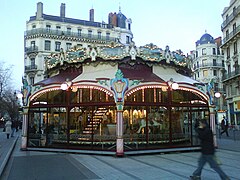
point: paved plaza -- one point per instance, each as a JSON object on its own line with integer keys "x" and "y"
{"x": 35, "y": 165}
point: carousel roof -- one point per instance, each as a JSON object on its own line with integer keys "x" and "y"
{"x": 144, "y": 64}
{"x": 58, "y": 79}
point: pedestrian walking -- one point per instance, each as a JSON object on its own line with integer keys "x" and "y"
{"x": 207, "y": 152}
{"x": 8, "y": 128}
{"x": 14, "y": 127}
{"x": 224, "y": 126}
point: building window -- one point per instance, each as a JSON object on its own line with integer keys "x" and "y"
{"x": 235, "y": 47}
{"x": 69, "y": 45}
{"x": 57, "y": 46}
{"x": 31, "y": 80}
{"x": 33, "y": 26}
{"x": 33, "y": 45}
{"x": 90, "y": 34}
{"x": 214, "y": 62}
{"x": 196, "y": 54}
{"x": 228, "y": 52}
{"x": 47, "y": 46}
{"x": 129, "y": 26}
{"x": 198, "y": 74}
{"x": 107, "y": 36}
{"x": 79, "y": 45}
{"x": 127, "y": 39}
{"x": 227, "y": 34}
{"x": 58, "y": 28}
{"x": 197, "y": 64}
{"x": 229, "y": 69}
{"x": 234, "y": 28}
{"x": 205, "y": 73}
{"x": 215, "y": 72}
{"x": 99, "y": 35}
{"x": 236, "y": 67}
{"x": 48, "y": 27}
{"x": 79, "y": 32}
{"x": 222, "y": 63}
{"x": 234, "y": 10}
{"x": 32, "y": 63}
{"x": 204, "y": 62}
{"x": 68, "y": 31}
{"x": 204, "y": 51}
{"x": 214, "y": 51}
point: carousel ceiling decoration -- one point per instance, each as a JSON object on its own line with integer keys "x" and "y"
{"x": 116, "y": 51}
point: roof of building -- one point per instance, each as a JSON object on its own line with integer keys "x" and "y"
{"x": 72, "y": 21}
{"x": 206, "y": 39}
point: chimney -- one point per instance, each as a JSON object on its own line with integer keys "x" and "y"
{"x": 39, "y": 13}
{"x": 62, "y": 10}
{"x": 91, "y": 15}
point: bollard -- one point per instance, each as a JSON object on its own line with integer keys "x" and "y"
{"x": 234, "y": 137}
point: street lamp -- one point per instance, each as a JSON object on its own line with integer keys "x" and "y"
{"x": 66, "y": 85}
{"x": 172, "y": 84}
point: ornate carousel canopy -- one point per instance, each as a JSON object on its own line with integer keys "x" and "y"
{"x": 149, "y": 53}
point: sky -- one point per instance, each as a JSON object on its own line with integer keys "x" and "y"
{"x": 176, "y": 23}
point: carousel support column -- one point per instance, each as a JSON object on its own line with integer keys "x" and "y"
{"x": 212, "y": 101}
{"x": 119, "y": 85}
{"x": 24, "y": 129}
{"x": 212, "y": 123}
{"x": 119, "y": 130}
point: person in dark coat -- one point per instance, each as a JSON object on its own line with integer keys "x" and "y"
{"x": 207, "y": 152}
{"x": 224, "y": 125}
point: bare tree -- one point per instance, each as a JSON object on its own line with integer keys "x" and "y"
{"x": 8, "y": 102}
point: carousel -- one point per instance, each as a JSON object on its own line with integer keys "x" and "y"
{"x": 114, "y": 99}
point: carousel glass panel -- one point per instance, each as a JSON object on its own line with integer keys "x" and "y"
{"x": 56, "y": 97}
{"x": 145, "y": 127}
{"x": 181, "y": 126}
{"x": 198, "y": 113}
{"x": 36, "y": 127}
{"x": 93, "y": 127}
{"x": 158, "y": 124}
{"x": 56, "y": 126}
{"x": 51, "y": 97}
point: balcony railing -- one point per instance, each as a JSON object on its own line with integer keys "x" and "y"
{"x": 230, "y": 18}
{"x": 31, "y": 49}
{"x": 31, "y": 68}
{"x": 231, "y": 75}
{"x": 68, "y": 34}
{"x": 208, "y": 65}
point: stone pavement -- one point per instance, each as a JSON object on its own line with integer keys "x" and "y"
{"x": 6, "y": 148}
{"x": 35, "y": 165}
